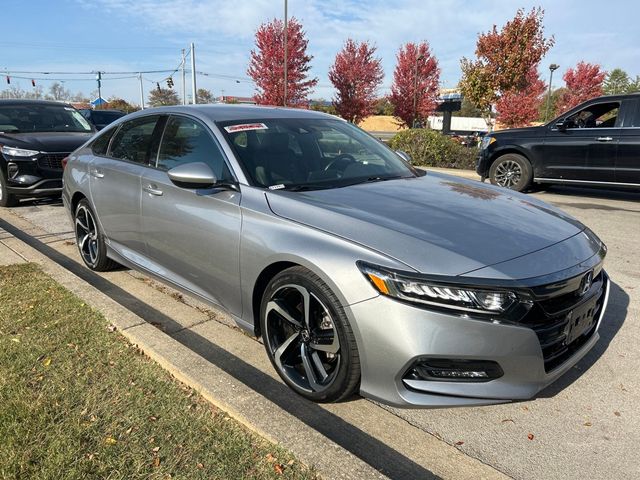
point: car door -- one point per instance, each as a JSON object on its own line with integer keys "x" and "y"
{"x": 585, "y": 148}
{"x": 115, "y": 184}
{"x": 628, "y": 159}
{"x": 193, "y": 235}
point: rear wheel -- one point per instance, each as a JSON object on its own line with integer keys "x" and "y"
{"x": 308, "y": 337}
{"x": 511, "y": 171}
{"x": 6, "y": 199}
{"x": 90, "y": 239}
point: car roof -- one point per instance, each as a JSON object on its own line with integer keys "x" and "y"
{"x": 23, "y": 101}
{"x": 226, "y": 112}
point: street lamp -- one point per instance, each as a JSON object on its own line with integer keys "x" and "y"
{"x": 552, "y": 68}
{"x": 415, "y": 91}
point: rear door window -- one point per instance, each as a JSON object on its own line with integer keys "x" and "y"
{"x": 133, "y": 141}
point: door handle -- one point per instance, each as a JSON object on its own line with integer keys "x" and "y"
{"x": 94, "y": 172}
{"x": 604, "y": 139}
{"x": 153, "y": 190}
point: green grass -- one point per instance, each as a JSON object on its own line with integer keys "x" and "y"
{"x": 79, "y": 401}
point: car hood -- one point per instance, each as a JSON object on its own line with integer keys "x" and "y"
{"x": 520, "y": 132}
{"x": 46, "y": 141}
{"x": 435, "y": 224}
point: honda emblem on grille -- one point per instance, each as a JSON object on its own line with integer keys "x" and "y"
{"x": 585, "y": 283}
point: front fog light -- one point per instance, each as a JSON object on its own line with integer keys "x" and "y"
{"x": 454, "y": 370}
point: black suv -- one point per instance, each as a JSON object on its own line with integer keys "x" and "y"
{"x": 35, "y": 136}
{"x": 596, "y": 143}
{"x": 101, "y": 118}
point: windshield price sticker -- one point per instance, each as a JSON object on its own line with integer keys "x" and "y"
{"x": 246, "y": 126}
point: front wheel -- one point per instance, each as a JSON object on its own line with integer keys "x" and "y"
{"x": 511, "y": 171}
{"x": 308, "y": 337}
{"x": 6, "y": 199}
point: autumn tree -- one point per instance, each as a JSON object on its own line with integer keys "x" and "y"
{"x": 356, "y": 75}
{"x": 266, "y": 66}
{"x": 204, "y": 96}
{"x": 617, "y": 81}
{"x": 383, "y": 106}
{"x": 504, "y": 59}
{"x": 583, "y": 82}
{"x": 163, "y": 96}
{"x": 518, "y": 108}
{"x": 116, "y": 103}
{"x": 414, "y": 92}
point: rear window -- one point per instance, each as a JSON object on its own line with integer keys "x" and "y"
{"x": 104, "y": 118}
{"x": 100, "y": 144}
{"x": 41, "y": 118}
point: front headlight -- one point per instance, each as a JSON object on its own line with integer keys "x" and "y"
{"x": 486, "y": 141}
{"x": 18, "y": 152}
{"x": 415, "y": 290}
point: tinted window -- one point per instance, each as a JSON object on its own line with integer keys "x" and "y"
{"x": 103, "y": 118}
{"x": 100, "y": 144}
{"x": 133, "y": 140}
{"x": 42, "y": 118}
{"x": 186, "y": 141}
{"x": 600, "y": 115}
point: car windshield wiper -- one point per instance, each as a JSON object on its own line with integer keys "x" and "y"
{"x": 377, "y": 179}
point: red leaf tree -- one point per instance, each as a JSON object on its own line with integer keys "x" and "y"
{"x": 583, "y": 82}
{"x": 518, "y": 108}
{"x": 356, "y": 74}
{"x": 414, "y": 92}
{"x": 266, "y": 66}
{"x": 504, "y": 59}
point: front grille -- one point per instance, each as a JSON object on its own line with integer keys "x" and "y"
{"x": 565, "y": 323}
{"x": 51, "y": 161}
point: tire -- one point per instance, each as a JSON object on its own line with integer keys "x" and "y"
{"x": 317, "y": 357}
{"x": 512, "y": 171}
{"x": 6, "y": 199}
{"x": 90, "y": 240}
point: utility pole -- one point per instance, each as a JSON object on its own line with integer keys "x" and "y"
{"x": 286, "y": 54}
{"x": 141, "y": 92}
{"x": 99, "y": 78}
{"x": 193, "y": 73}
{"x": 184, "y": 88}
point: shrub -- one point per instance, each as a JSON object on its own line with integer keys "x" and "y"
{"x": 433, "y": 149}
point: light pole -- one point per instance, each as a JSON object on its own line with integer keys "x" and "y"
{"x": 415, "y": 91}
{"x": 286, "y": 48}
{"x": 552, "y": 68}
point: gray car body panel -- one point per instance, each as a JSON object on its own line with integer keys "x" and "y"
{"x": 216, "y": 243}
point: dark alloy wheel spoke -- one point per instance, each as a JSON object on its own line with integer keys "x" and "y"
{"x": 302, "y": 339}
{"x": 87, "y": 235}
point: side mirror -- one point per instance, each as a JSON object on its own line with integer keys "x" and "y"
{"x": 562, "y": 124}
{"x": 193, "y": 175}
{"x": 404, "y": 155}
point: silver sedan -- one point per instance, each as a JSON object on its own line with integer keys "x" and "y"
{"x": 360, "y": 272}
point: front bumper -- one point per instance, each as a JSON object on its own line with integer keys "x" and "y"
{"x": 397, "y": 335}
{"x": 40, "y": 176}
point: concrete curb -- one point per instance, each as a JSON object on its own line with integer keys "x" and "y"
{"x": 429, "y": 456}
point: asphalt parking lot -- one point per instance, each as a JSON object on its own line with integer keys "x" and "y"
{"x": 585, "y": 425}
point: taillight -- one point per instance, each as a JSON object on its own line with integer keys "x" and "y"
{"x": 64, "y": 162}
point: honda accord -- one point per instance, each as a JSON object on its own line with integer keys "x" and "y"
{"x": 360, "y": 272}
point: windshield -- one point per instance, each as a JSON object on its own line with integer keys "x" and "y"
{"x": 41, "y": 118}
{"x": 310, "y": 153}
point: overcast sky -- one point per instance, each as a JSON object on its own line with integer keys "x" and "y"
{"x": 133, "y": 35}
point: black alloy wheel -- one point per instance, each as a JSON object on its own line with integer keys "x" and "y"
{"x": 90, "y": 240}
{"x": 308, "y": 338}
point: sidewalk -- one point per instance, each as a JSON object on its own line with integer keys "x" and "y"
{"x": 469, "y": 174}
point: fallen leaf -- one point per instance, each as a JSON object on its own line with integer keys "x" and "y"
{"x": 152, "y": 418}
{"x": 111, "y": 328}
{"x": 200, "y": 466}
{"x": 526, "y": 409}
{"x": 47, "y": 362}
{"x": 587, "y": 424}
{"x": 155, "y": 449}
{"x": 508, "y": 420}
{"x": 129, "y": 430}
{"x": 156, "y": 461}
{"x": 616, "y": 413}
{"x": 460, "y": 442}
{"x": 110, "y": 441}
{"x": 17, "y": 340}
{"x": 278, "y": 469}
{"x": 270, "y": 458}
{"x": 530, "y": 436}
{"x": 290, "y": 462}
